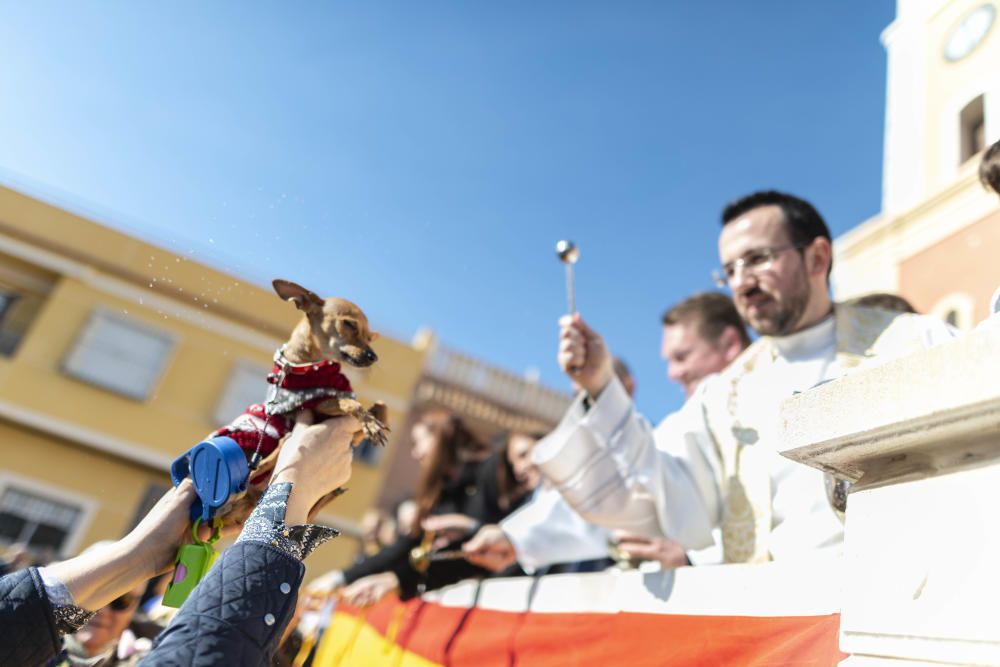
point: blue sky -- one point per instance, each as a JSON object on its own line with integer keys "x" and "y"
{"x": 422, "y": 158}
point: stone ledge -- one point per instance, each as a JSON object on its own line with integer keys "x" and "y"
{"x": 935, "y": 411}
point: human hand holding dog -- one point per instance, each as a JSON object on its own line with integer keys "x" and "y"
{"x": 583, "y": 356}
{"x": 316, "y": 459}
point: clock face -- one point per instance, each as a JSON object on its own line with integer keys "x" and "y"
{"x": 969, "y": 33}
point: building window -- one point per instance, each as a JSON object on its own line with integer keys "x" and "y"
{"x": 7, "y": 300}
{"x": 972, "y": 121}
{"x": 8, "y": 339}
{"x": 24, "y": 289}
{"x": 119, "y": 355}
{"x": 35, "y": 520}
{"x": 247, "y": 385}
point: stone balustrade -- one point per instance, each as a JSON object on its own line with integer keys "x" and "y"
{"x": 919, "y": 438}
{"x": 514, "y": 392}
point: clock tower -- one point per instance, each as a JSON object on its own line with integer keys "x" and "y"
{"x": 937, "y": 239}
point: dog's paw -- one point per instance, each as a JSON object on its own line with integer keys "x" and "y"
{"x": 374, "y": 430}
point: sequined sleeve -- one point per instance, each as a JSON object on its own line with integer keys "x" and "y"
{"x": 69, "y": 617}
{"x": 267, "y": 524}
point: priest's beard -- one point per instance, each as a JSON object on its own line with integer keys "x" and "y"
{"x": 779, "y": 316}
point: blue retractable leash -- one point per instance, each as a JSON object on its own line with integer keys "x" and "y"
{"x": 219, "y": 470}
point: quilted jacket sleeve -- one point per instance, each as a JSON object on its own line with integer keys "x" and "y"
{"x": 236, "y": 615}
{"x": 28, "y": 633}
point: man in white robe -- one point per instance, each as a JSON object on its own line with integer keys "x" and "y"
{"x": 715, "y": 464}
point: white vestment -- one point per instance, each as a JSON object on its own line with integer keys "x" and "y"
{"x": 680, "y": 480}
{"x": 565, "y": 537}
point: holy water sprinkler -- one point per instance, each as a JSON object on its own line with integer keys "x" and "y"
{"x": 568, "y": 254}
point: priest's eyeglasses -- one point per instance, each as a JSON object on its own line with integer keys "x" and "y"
{"x": 752, "y": 262}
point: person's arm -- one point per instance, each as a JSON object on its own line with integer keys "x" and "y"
{"x": 388, "y": 570}
{"x": 610, "y": 468}
{"x": 391, "y": 569}
{"x": 401, "y": 576}
{"x": 39, "y": 605}
{"x": 97, "y": 577}
{"x": 547, "y": 531}
{"x": 238, "y": 612}
{"x": 388, "y": 559}
{"x": 484, "y": 507}
{"x": 604, "y": 459}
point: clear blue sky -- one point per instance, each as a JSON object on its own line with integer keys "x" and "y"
{"x": 422, "y": 158}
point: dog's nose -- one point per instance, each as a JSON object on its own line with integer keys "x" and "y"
{"x": 370, "y": 356}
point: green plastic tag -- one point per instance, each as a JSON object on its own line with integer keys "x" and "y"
{"x": 192, "y": 564}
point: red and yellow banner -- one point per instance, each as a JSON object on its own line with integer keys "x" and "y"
{"x": 470, "y": 626}
{"x": 421, "y": 634}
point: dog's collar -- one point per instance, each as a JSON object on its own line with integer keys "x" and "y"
{"x": 325, "y": 373}
{"x": 282, "y": 365}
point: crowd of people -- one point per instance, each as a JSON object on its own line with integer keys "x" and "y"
{"x": 706, "y": 486}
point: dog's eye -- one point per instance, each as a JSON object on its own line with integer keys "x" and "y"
{"x": 349, "y": 325}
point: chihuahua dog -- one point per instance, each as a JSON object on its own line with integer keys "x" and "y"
{"x": 306, "y": 376}
{"x": 332, "y": 330}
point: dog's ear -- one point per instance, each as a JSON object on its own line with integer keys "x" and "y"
{"x": 303, "y": 299}
{"x": 372, "y": 336}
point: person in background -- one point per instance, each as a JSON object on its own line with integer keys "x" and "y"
{"x": 105, "y": 640}
{"x": 451, "y": 459}
{"x": 624, "y": 374}
{"x": 517, "y": 476}
{"x": 701, "y": 335}
{"x": 989, "y": 168}
{"x": 506, "y": 481}
{"x": 989, "y": 176}
{"x": 152, "y": 617}
{"x": 883, "y": 301}
{"x": 406, "y": 517}
{"x": 378, "y": 530}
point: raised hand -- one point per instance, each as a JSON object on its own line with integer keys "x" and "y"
{"x": 583, "y": 356}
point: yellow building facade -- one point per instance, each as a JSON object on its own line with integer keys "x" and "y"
{"x": 936, "y": 238}
{"x": 116, "y": 356}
